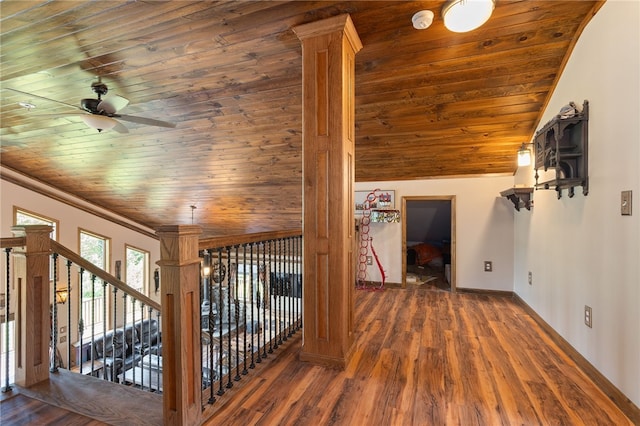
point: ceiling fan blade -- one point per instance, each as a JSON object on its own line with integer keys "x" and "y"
{"x": 120, "y": 128}
{"x": 113, "y": 104}
{"x": 42, "y": 97}
{"x": 143, "y": 120}
{"x": 95, "y": 121}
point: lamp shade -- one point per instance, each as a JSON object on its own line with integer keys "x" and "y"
{"x": 99, "y": 122}
{"x": 465, "y": 15}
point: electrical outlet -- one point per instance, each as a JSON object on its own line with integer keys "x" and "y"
{"x": 530, "y": 277}
{"x": 588, "y": 316}
{"x": 625, "y": 203}
{"x": 488, "y": 266}
{"x": 369, "y": 260}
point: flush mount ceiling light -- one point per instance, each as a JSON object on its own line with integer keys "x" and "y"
{"x": 461, "y": 16}
{"x": 422, "y": 20}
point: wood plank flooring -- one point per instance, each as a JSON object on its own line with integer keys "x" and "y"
{"x": 23, "y": 410}
{"x": 429, "y": 357}
{"x": 422, "y": 356}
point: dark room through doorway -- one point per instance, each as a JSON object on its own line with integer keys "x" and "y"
{"x": 429, "y": 242}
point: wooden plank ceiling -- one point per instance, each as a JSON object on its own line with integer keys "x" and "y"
{"x": 429, "y": 103}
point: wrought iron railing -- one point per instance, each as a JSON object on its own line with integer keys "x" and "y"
{"x": 100, "y": 338}
{"x": 250, "y": 306}
{"x": 251, "y": 299}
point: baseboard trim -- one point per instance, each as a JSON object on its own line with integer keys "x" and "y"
{"x": 485, "y": 291}
{"x": 613, "y": 393}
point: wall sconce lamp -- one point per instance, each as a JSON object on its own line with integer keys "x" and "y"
{"x": 62, "y": 294}
{"x": 461, "y": 16}
{"x": 524, "y": 156}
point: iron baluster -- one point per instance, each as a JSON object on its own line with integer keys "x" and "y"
{"x": 113, "y": 340}
{"x": 271, "y": 307}
{"x": 104, "y": 322}
{"x": 7, "y": 387}
{"x": 244, "y": 307}
{"x": 124, "y": 340}
{"x": 253, "y": 324}
{"x": 93, "y": 314}
{"x": 237, "y": 315}
{"x": 81, "y": 318}
{"x": 69, "y": 263}
{"x": 275, "y": 259}
{"x": 229, "y": 360}
{"x": 263, "y": 272}
{"x": 260, "y": 301}
{"x": 53, "y": 367}
{"x": 220, "y": 311}
{"x": 211, "y": 325}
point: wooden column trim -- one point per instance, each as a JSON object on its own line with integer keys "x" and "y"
{"x": 328, "y": 51}
{"x": 180, "y": 286}
{"x": 31, "y": 275}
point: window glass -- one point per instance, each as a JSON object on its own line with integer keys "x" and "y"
{"x": 136, "y": 276}
{"x": 95, "y": 249}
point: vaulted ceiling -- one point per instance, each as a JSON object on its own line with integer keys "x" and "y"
{"x": 429, "y": 103}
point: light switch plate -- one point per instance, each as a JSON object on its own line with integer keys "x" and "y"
{"x": 625, "y": 203}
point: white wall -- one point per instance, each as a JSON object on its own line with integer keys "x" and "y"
{"x": 484, "y": 226}
{"x": 580, "y": 250}
{"x": 71, "y": 219}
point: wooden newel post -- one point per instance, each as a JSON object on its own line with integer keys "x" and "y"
{"x": 328, "y": 147}
{"x": 180, "y": 285}
{"x": 33, "y": 333}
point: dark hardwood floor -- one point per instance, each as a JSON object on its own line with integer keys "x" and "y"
{"x": 423, "y": 356}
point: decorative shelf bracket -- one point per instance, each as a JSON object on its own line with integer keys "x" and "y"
{"x": 519, "y": 196}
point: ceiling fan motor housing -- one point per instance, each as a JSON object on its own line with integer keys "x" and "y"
{"x": 90, "y": 105}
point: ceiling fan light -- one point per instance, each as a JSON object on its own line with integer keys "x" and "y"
{"x": 99, "y": 122}
{"x": 461, "y": 16}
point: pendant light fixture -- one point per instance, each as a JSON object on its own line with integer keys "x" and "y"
{"x": 461, "y": 16}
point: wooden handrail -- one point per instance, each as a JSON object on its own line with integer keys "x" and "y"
{"x": 93, "y": 269}
{"x": 231, "y": 240}
{"x": 12, "y": 242}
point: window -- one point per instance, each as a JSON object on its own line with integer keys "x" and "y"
{"x": 95, "y": 249}
{"x": 136, "y": 277}
{"x": 25, "y": 217}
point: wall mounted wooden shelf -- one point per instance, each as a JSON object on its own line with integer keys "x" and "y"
{"x": 519, "y": 196}
{"x": 562, "y": 144}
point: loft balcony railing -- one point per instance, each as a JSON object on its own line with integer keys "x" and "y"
{"x": 228, "y": 304}
{"x": 111, "y": 328}
{"x": 251, "y": 304}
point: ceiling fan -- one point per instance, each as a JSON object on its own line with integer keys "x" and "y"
{"x": 102, "y": 114}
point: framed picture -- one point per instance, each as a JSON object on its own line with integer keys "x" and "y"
{"x": 3, "y": 301}
{"x": 383, "y": 200}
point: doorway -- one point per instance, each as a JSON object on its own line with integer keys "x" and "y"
{"x": 428, "y": 241}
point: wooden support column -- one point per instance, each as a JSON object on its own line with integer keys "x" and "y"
{"x": 180, "y": 285}
{"x": 31, "y": 281}
{"x": 328, "y": 53}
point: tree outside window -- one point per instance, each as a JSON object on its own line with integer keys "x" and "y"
{"x": 136, "y": 277}
{"x": 95, "y": 249}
